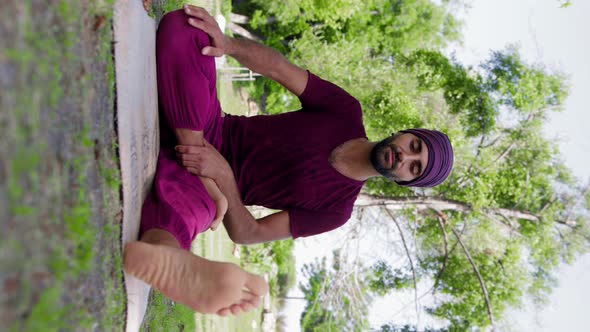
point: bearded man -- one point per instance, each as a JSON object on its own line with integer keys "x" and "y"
{"x": 310, "y": 164}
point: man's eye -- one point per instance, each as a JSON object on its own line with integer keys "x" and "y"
{"x": 416, "y": 169}
{"x": 417, "y": 146}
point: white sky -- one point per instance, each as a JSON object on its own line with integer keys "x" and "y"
{"x": 559, "y": 39}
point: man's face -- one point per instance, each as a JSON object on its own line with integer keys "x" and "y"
{"x": 401, "y": 157}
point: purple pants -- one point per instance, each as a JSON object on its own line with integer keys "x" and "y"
{"x": 178, "y": 202}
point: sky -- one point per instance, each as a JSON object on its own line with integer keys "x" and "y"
{"x": 556, "y": 37}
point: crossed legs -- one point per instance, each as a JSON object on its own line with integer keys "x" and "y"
{"x": 181, "y": 205}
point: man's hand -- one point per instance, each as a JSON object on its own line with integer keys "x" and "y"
{"x": 204, "y": 161}
{"x": 201, "y": 19}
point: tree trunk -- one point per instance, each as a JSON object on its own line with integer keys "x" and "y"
{"x": 440, "y": 204}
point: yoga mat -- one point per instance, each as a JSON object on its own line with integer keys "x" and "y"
{"x": 137, "y": 117}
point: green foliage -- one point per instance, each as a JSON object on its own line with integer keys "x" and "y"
{"x": 345, "y": 309}
{"x": 407, "y": 328}
{"x": 53, "y": 96}
{"x": 383, "y": 278}
{"x": 565, "y": 4}
{"x": 275, "y": 259}
{"x": 522, "y": 87}
{"x": 49, "y": 315}
{"x": 326, "y": 36}
{"x": 165, "y": 315}
{"x": 282, "y": 252}
{"x": 517, "y": 208}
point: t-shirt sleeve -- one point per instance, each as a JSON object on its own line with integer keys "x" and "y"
{"x": 306, "y": 223}
{"x": 324, "y": 96}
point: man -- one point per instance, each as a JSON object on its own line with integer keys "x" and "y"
{"x": 310, "y": 164}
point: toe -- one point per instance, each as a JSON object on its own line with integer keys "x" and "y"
{"x": 256, "y": 284}
{"x": 235, "y": 309}
{"x": 246, "y": 306}
{"x": 224, "y": 312}
{"x": 251, "y": 299}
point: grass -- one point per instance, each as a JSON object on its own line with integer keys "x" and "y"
{"x": 60, "y": 182}
{"x": 60, "y": 185}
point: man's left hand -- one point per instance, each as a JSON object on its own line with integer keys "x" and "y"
{"x": 201, "y": 19}
{"x": 203, "y": 161}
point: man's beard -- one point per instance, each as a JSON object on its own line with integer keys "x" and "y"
{"x": 376, "y": 154}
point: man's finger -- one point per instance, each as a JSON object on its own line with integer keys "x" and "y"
{"x": 212, "y": 51}
{"x": 195, "y": 11}
{"x": 188, "y": 157}
{"x": 199, "y": 12}
{"x": 192, "y": 170}
{"x": 192, "y": 164}
{"x": 188, "y": 149}
{"x": 199, "y": 24}
{"x": 215, "y": 224}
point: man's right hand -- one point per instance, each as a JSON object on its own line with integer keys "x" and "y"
{"x": 204, "y": 161}
{"x": 201, "y": 19}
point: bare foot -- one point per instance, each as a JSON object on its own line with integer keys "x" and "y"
{"x": 204, "y": 286}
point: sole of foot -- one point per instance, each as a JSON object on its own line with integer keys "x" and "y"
{"x": 203, "y": 285}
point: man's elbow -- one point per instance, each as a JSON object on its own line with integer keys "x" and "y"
{"x": 235, "y": 236}
{"x": 243, "y": 237}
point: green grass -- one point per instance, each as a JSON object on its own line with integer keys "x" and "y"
{"x": 52, "y": 190}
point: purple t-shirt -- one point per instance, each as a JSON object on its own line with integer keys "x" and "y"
{"x": 282, "y": 161}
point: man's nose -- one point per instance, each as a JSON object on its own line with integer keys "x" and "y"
{"x": 407, "y": 156}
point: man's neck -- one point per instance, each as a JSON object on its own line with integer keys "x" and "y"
{"x": 353, "y": 159}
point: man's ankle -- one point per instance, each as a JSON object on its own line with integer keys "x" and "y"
{"x": 160, "y": 237}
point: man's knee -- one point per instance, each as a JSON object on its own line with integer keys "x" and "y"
{"x": 174, "y": 28}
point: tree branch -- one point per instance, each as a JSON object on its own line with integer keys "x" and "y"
{"x": 440, "y": 220}
{"x": 401, "y": 234}
{"x": 441, "y": 204}
{"x": 479, "y": 277}
{"x": 432, "y": 288}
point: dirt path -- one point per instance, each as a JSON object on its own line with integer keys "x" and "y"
{"x": 59, "y": 180}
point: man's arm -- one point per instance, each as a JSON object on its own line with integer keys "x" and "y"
{"x": 270, "y": 63}
{"x": 257, "y": 57}
{"x": 241, "y": 226}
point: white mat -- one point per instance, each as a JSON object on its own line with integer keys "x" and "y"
{"x": 137, "y": 113}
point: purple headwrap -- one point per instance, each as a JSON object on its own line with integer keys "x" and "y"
{"x": 440, "y": 158}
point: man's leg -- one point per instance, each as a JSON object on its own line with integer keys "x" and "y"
{"x": 178, "y": 207}
{"x": 203, "y": 285}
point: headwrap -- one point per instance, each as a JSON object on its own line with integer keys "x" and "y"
{"x": 440, "y": 158}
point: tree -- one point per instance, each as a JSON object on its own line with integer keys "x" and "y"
{"x": 337, "y": 296}
{"x": 511, "y": 210}
{"x": 345, "y": 40}
{"x": 406, "y": 328}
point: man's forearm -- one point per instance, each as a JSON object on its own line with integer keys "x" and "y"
{"x": 257, "y": 57}
{"x": 238, "y": 221}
